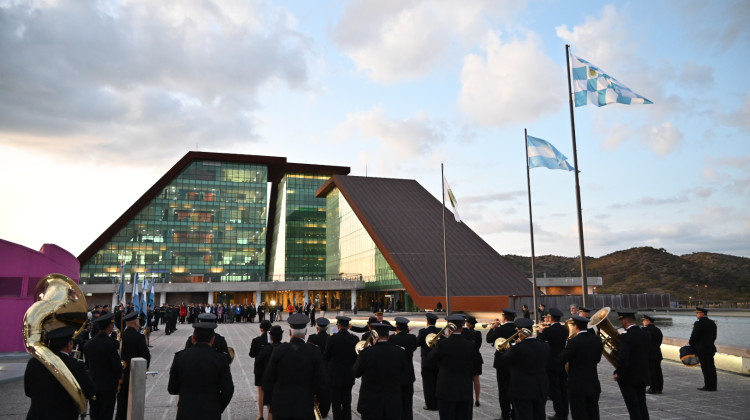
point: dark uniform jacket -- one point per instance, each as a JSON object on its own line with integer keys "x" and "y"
{"x": 293, "y": 377}
{"x": 381, "y": 368}
{"x": 49, "y": 399}
{"x": 201, "y": 377}
{"x": 133, "y": 345}
{"x": 656, "y": 338}
{"x": 583, "y": 352}
{"x": 319, "y": 340}
{"x": 703, "y": 336}
{"x": 632, "y": 364}
{"x": 255, "y": 347}
{"x": 103, "y": 362}
{"x": 424, "y": 349}
{"x": 408, "y": 342}
{"x": 261, "y": 362}
{"x": 528, "y": 376}
{"x": 505, "y": 331}
{"x": 455, "y": 357}
{"x": 340, "y": 356}
{"x": 220, "y": 345}
{"x": 555, "y": 335}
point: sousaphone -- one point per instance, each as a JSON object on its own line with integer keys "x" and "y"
{"x": 58, "y": 302}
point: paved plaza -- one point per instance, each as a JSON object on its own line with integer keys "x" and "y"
{"x": 680, "y": 400}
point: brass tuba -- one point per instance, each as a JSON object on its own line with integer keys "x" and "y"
{"x": 58, "y": 302}
{"x": 608, "y": 333}
{"x": 502, "y": 344}
{"x": 366, "y": 343}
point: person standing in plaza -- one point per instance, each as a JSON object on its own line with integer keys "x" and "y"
{"x": 631, "y": 373}
{"x": 456, "y": 360}
{"x": 408, "y": 342}
{"x": 526, "y": 360}
{"x": 321, "y": 338}
{"x": 201, "y": 377}
{"x": 504, "y": 327}
{"x": 133, "y": 345}
{"x": 582, "y": 354}
{"x": 470, "y": 333}
{"x": 339, "y": 356}
{"x": 382, "y": 367}
{"x": 429, "y": 369}
{"x": 260, "y": 365}
{"x": 261, "y": 361}
{"x": 105, "y": 368}
{"x": 295, "y": 376}
{"x": 219, "y": 343}
{"x": 556, "y": 336}
{"x": 49, "y": 399}
{"x": 702, "y": 339}
{"x": 654, "y": 356}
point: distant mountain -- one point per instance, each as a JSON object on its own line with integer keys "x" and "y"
{"x": 651, "y": 270}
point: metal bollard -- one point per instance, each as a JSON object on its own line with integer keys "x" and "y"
{"x": 137, "y": 393}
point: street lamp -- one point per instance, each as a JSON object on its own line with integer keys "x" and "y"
{"x": 706, "y": 295}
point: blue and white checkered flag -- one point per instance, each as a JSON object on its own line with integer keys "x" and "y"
{"x": 592, "y": 86}
{"x": 542, "y": 154}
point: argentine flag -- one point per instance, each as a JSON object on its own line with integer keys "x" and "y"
{"x": 543, "y": 154}
{"x": 135, "y": 299}
{"x": 592, "y": 86}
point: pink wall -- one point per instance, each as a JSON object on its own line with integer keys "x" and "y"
{"x": 19, "y": 261}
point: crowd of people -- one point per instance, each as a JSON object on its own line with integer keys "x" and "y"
{"x": 313, "y": 375}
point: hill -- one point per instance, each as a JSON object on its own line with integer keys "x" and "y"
{"x": 651, "y": 270}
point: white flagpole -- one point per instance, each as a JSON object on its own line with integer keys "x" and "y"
{"x": 445, "y": 249}
{"x": 531, "y": 230}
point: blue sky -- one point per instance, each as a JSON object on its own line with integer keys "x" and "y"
{"x": 98, "y": 100}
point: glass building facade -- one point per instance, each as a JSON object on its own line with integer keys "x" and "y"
{"x": 299, "y": 242}
{"x": 208, "y": 224}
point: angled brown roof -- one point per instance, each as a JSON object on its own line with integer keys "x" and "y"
{"x": 277, "y": 167}
{"x": 404, "y": 221}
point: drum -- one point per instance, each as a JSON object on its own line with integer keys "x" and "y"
{"x": 689, "y": 357}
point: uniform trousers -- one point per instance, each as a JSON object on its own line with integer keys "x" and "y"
{"x": 635, "y": 400}
{"x": 103, "y": 407}
{"x": 407, "y": 401}
{"x": 341, "y": 402}
{"x": 709, "y": 370}
{"x": 429, "y": 384}
{"x": 584, "y": 407}
{"x": 655, "y": 375}
{"x": 558, "y": 391}
{"x": 503, "y": 390}
{"x": 525, "y": 409}
{"x": 455, "y": 410}
{"x": 122, "y": 402}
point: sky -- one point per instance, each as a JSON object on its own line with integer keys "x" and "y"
{"x": 99, "y": 99}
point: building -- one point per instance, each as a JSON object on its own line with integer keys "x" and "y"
{"x": 229, "y": 228}
{"x": 21, "y": 268}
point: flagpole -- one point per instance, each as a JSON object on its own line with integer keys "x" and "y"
{"x": 531, "y": 229}
{"x": 584, "y": 286}
{"x": 445, "y": 249}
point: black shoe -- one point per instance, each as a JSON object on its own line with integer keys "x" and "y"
{"x": 651, "y": 391}
{"x": 476, "y": 403}
{"x": 705, "y": 389}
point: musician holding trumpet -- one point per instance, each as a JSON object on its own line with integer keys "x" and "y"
{"x": 502, "y": 328}
{"x": 529, "y": 386}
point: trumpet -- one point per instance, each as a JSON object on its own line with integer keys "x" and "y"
{"x": 502, "y": 344}
{"x": 494, "y": 324}
{"x": 433, "y": 338}
{"x": 366, "y": 343}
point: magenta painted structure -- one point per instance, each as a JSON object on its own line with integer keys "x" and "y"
{"x": 20, "y": 271}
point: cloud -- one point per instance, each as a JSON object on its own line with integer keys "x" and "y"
{"x": 663, "y": 138}
{"x": 153, "y": 75}
{"x": 741, "y": 117}
{"x": 488, "y": 198}
{"x": 400, "y": 40}
{"x": 603, "y": 41}
{"x": 412, "y": 137}
{"x": 511, "y": 82}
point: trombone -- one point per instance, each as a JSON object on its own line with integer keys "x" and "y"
{"x": 433, "y": 338}
{"x": 501, "y": 344}
{"x": 371, "y": 340}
